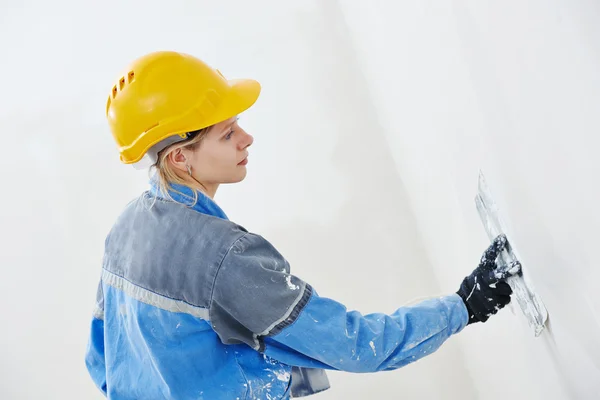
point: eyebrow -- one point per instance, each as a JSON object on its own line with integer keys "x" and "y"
{"x": 237, "y": 118}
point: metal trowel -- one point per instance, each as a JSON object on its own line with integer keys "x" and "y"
{"x": 534, "y": 310}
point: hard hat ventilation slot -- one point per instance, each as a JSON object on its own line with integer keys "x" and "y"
{"x": 122, "y": 83}
{"x": 114, "y": 91}
{"x": 130, "y": 77}
{"x": 108, "y": 104}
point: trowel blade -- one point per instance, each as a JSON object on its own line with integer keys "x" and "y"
{"x": 534, "y": 310}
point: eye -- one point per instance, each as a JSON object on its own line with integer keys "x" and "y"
{"x": 229, "y": 134}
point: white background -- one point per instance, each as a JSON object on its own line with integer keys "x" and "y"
{"x": 374, "y": 121}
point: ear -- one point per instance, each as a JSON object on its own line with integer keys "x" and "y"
{"x": 178, "y": 159}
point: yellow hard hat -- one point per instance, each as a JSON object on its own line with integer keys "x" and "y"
{"x": 166, "y": 94}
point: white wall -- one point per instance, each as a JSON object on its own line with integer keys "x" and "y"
{"x": 512, "y": 88}
{"x": 371, "y": 128}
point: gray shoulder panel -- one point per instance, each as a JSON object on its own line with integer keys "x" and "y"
{"x": 169, "y": 249}
{"x": 254, "y": 293}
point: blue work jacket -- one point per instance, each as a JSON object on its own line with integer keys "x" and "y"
{"x": 193, "y": 306}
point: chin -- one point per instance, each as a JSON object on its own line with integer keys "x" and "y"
{"x": 241, "y": 178}
{"x": 237, "y": 178}
{"x": 243, "y": 174}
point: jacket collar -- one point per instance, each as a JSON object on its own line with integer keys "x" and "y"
{"x": 184, "y": 195}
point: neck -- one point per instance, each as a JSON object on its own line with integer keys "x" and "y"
{"x": 208, "y": 189}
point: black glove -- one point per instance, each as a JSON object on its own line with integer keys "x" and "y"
{"x": 485, "y": 291}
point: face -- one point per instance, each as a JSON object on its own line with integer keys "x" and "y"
{"x": 221, "y": 156}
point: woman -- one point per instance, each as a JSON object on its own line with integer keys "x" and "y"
{"x": 193, "y": 306}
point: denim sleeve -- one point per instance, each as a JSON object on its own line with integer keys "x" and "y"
{"x": 257, "y": 301}
{"x": 327, "y": 336}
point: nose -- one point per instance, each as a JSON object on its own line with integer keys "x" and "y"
{"x": 246, "y": 141}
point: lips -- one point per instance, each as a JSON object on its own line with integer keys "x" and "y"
{"x": 244, "y": 161}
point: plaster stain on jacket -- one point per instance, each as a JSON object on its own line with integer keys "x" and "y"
{"x": 373, "y": 347}
{"x": 412, "y": 345}
{"x": 288, "y": 279}
{"x": 282, "y": 376}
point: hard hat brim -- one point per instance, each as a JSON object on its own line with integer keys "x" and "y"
{"x": 246, "y": 91}
{"x": 242, "y": 96}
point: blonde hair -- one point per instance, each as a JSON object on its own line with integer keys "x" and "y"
{"x": 166, "y": 173}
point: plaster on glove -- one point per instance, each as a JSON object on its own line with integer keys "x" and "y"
{"x": 485, "y": 291}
